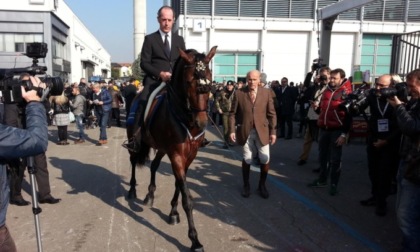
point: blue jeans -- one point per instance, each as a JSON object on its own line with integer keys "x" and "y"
{"x": 103, "y": 123}
{"x": 408, "y": 210}
{"x": 4, "y": 194}
{"x": 329, "y": 155}
{"x": 80, "y": 126}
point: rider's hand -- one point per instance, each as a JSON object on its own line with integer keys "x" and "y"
{"x": 165, "y": 76}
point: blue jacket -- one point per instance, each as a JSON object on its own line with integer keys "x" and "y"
{"x": 106, "y": 98}
{"x": 15, "y": 143}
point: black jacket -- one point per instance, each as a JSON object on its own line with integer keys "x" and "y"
{"x": 384, "y": 111}
{"x": 153, "y": 57}
{"x": 61, "y": 108}
{"x": 409, "y": 122}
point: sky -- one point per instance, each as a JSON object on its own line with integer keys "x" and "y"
{"x": 111, "y": 22}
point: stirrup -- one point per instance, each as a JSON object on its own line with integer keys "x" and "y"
{"x": 130, "y": 145}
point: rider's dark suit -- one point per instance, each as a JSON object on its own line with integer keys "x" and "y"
{"x": 154, "y": 60}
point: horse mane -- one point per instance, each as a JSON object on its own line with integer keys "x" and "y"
{"x": 177, "y": 90}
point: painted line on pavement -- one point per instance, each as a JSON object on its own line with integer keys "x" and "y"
{"x": 344, "y": 226}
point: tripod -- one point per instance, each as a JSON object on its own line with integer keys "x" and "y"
{"x": 35, "y": 209}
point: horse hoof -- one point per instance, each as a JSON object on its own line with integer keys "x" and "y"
{"x": 148, "y": 202}
{"x": 197, "y": 248}
{"x": 174, "y": 219}
{"x": 132, "y": 195}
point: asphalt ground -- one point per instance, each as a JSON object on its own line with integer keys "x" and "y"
{"x": 94, "y": 214}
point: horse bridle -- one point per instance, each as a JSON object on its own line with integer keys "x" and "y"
{"x": 203, "y": 84}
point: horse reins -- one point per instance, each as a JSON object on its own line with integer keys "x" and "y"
{"x": 201, "y": 89}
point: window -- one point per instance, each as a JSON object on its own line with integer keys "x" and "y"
{"x": 376, "y": 54}
{"x": 58, "y": 49}
{"x": 233, "y": 66}
{"x": 19, "y": 47}
{"x": 199, "y": 7}
{"x": 17, "y": 42}
{"x": 226, "y": 8}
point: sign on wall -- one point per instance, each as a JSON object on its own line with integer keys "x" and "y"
{"x": 199, "y": 25}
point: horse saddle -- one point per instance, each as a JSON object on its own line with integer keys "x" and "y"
{"x": 155, "y": 99}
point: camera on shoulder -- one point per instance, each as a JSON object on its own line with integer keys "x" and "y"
{"x": 399, "y": 90}
{"x": 353, "y": 101}
{"x": 317, "y": 64}
{"x": 10, "y": 82}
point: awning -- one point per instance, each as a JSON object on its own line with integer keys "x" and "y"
{"x": 89, "y": 61}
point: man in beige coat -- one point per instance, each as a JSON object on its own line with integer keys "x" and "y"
{"x": 252, "y": 124}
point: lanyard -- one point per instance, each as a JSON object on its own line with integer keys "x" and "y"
{"x": 379, "y": 107}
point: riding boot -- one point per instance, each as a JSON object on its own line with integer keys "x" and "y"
{"x": 263, "y": 177}
{"x": 245, "y": 176}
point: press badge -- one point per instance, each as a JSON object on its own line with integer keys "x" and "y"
{"x": 383, "y": 125}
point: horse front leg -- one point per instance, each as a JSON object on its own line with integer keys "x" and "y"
{"x": 174, "y": 215}
{"x": 132, "y": 194}
{"x": 150, "y": 197}
{"x": 187, "y": 204}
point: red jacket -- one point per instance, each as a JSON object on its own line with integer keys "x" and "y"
{"x": 331, "y": 116}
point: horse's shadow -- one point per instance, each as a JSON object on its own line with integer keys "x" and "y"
{"x": 229, "y": 178}
{"x": 98, "y": 182}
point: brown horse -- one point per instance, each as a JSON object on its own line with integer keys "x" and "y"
{"x": 176, "y": 129}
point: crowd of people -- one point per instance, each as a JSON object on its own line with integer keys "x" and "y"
{"x": 253, "y": 115}
{"x": 91, "y": 105}
{"x": 327, "y": 103}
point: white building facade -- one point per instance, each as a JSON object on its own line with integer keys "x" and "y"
{"x": 281, "y": 37}
{"x": 73, "y": 51}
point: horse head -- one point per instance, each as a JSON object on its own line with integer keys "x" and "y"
{"x": 197, "y": 80}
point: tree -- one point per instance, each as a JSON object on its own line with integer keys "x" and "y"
{"x": 135, "y": 68}
{"x": 115, "y": 73}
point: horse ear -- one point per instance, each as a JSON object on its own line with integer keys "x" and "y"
{"x": 185, "y": 56}
{"x": 211, "y": 54}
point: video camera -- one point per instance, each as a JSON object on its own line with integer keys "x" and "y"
{"x": 317, "y": 64}
{"x": 399, "y": 90}
{"x": 354, "y": 100}
{"x": 10, "y": 84}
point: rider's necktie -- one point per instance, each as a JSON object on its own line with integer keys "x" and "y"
{"x": 167, "y": 48}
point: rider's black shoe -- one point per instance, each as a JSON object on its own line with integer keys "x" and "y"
{"x": 130, "y": 145}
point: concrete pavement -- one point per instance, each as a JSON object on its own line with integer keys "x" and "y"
{"x": 94, "y": 214}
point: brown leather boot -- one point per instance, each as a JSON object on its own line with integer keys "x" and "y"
{"x": 263, "y": 177}
{"x": 246, "y": 192}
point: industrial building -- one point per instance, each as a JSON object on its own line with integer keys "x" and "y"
{"x": 73, "y": 51}
{"x": 282, "y": 37}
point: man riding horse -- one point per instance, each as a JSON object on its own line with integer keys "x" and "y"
{"x": 158, "y": 56}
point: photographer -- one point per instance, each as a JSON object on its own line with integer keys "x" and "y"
{"x": 313, "y": 94}
{"x": 408, "y": 178}
{"x": 382, "y": 144}
{"x": 15, "y": 117}
{"x": 15, "y": 143}
{"x": 334, "y": 124}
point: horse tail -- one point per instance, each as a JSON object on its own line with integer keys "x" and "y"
{"x": 143, "y": 153}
